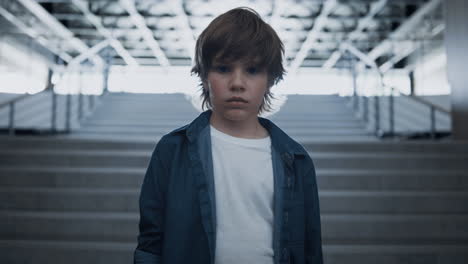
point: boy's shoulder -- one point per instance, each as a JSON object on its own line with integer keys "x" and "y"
{"x": 172, "y": 138}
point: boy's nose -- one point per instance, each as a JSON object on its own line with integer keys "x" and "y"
{"x": 237, "y": 80}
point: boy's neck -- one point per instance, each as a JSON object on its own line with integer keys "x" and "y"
{"x": 250, "y": 128}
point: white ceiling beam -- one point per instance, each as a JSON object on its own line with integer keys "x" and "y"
{"x": 53, "y": 24}
{"x": 407, "y": 48}
{"x": 184, "y": 23}
{"x": 332, "y": 60}
{"x": 359, "y": 54}
{"x": 365, "y": 59}
{"x": 310, "y": 41}
{"x": 363, "y": 23}
{"x": 95, "y": 20}
{"x": 34, "y": 35}
{"x": 76, "y": 62}
{"x": 89, "y": 53}
{"x": 139, "y": 21}
{"x": 404, "y": 30}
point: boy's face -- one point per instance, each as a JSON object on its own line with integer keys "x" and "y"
{"x": 236, "y": 89}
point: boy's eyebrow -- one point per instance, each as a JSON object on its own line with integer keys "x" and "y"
{"x": 246, "y": 61}
{"x": 220, "y": 62}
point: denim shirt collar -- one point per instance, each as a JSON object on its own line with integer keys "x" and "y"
{"x": 280, "y": 141}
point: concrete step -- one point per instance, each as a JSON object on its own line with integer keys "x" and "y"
{"x": 75, "y": 158}
{"x": 181, "y": 120}
{"x": 69, "y": 177}
{"x": 293, "y": 132}
{"x": 42, "y": 251}
{"x": 395, "y": 229}
{"x": 116, "y": 124}
{"x": 395, "y": 254}
{"x": 77, "y": 143}
{"x": 147, "y": 116}
{"x": 328, "y": 179}
{"x": 70, "y": 143}
{"x": 164, "y": 130}
{"x": 314, "y": 118}
{"x": 306, "y": 139}
{"x": 330, "y": 160}
{"x": 174, "y": 123}
{"x": 450, "y": 147}
{"x": 69, "y": 226}
{"x": 389, "y": 161}
{"x": 395, "y": 179}
{"x": 62, "y": 251}
{"x": 126, "y": 200}
{"x": 336, "y": 228}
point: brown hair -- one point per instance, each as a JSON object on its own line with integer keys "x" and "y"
{"x": 237, "y": 34}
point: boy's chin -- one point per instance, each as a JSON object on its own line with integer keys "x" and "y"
{"x": 238, "y": 114}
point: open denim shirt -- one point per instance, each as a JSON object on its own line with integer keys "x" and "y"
{"x": 177, "y": 200}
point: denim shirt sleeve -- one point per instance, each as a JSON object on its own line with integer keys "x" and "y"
{"x": 152, "y": 204}
{"x": 313, "y": 225}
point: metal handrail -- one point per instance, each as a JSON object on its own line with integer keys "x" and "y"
{"x": 68, "y": 110}
{"x": 11, "y": 104}
{"x": 429, "y": 104}
{"x": 369, "y": 61}
{"x": 14, "y": 100}
{"x": 433, "y": 108}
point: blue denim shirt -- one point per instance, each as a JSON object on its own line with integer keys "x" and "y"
{"x": 177, "y": 200}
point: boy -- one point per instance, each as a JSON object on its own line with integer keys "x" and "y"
{"x": 231, "y": 187}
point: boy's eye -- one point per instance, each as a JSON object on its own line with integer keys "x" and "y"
{"x": 252, "y": 70}
{"x": 221, "y": 68}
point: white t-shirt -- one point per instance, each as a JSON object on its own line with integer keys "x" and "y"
{"x": 243, "y": 179}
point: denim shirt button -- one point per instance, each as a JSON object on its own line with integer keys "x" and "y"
{"x": 285, "y": 254}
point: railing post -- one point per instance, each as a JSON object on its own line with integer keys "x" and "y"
{"x": 54, "y": 112}
{"x": 366, "y": 108}
{"x": 355, "y": 97}
{"x": 68, "y": 113}
{"x": 433, "y": 125}
{"x": 11, "y": 123}
{"x": 80, "y": 106}
{"x": 91, "y": 102}
{"x": 356, "y": 103}
{"x": 391, "y": 113}
{"x": 80, "y": 98}
{"x": 377, "y": 115}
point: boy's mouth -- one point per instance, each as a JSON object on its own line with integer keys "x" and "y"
{"x": 236, "y": 99}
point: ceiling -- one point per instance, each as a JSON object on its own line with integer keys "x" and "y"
{"x": 163, "y": 32}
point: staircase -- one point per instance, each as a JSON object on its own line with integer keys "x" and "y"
{"x": 150, "y": 116}
{"x": 137, "y": 117}
{"x": 74, "y": 199}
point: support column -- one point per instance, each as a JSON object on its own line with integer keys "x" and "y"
{"x": 456, "y": 44}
